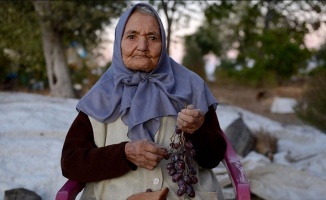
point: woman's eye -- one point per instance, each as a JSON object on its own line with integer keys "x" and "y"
{"x": 131, "y": 36}
{"x": 152, "y": 38}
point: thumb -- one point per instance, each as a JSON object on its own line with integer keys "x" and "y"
{"x": 190, "y": 106}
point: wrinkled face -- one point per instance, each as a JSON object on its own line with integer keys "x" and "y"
{"x": 141, "y": 42}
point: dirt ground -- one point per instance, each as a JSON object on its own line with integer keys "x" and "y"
{"x": 258, "y": 100}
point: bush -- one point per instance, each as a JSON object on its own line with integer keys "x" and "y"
{"x": 312, "y": 108}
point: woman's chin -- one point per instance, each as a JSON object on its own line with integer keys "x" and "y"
{"x": 142, "y": 66}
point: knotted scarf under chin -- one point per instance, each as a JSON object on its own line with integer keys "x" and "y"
{"x": 141, "y": 99}
{"x": 143, "y": 102}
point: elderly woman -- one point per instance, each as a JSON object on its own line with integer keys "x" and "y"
{"x": 122, "y": 131}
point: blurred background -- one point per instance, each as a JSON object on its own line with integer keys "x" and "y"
{"x": 249, "y": 52}
{"x": 266, "y": 57}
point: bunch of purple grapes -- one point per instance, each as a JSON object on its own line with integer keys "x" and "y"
{"x": 181, "y": 154}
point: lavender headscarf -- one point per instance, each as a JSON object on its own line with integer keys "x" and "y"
{"x": 141, "y": 98}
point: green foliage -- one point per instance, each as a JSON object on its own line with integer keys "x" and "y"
{"x": 204, "y": 37}
{"x": 197, "y": 46}
{"x": 194, "y": 57}
{"x": 4, "y": 61}
{"x": 249, "y": 76}
{"x": 21, "y": 37}
{"x": 276, "y": 46}
{"x": 320, "y": 58}
{"x": 312, "y": 108}
{"x": 81, "y": 21}
{"x": 268, "y": 36}
{"x": 278, "y": 54}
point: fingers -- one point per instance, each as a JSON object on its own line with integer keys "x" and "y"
{"x": 190, "y": 119}
{"x": 144, "y": 153}
{"x": 191, "y": 111}
{"x": 163, "y": 193}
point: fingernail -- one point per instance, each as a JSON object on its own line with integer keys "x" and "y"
{"x": 190, "y": 106}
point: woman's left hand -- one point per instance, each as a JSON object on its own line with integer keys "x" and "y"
{"x": 190, "y": 119}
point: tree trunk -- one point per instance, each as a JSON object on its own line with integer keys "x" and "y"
{"x": 56, "y": 66}
{"x": 169, "y": 20}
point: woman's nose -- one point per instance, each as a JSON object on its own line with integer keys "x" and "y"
{"x": 142, "y": 44}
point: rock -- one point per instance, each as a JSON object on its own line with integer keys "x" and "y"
{"x": 240, "y": 136}
{"x": 265, "y": 144}
{"x": 283, "y": 105}
{"x": 21, "y": 193}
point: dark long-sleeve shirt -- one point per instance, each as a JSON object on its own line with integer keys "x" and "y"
{"x": 83, "y": 161}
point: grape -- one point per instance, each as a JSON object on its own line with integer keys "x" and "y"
{"x": 181, "y": 154}
{"x": 172, "y": 172}
{"x": 169, "y": 166}
{"x": 189, "y": 145}
{"x": 183, "y": 188}
{"x": 175, "y": 158}
{"x": 190, "y": 191}
{"x": 180, "y": 165}
{"x": 180, "y": 193}
{"x": 194, "y": 179}
{"x": 167, "y": 156}
{"x": 181, "y": 182}
{"x": 180, "y": 171}
{"x": 186, "y": 178}
{"x": 192, "y": 194}
{"x": 176, "y": 177}
{"x": 192, "y": 152}
{"x": 176, "y": 145}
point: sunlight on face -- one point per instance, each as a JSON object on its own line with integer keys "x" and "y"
{"x": 141, "y": 42}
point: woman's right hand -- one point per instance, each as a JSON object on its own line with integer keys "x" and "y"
{"x": 144, "y": 153}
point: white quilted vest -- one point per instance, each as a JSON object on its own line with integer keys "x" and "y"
{"x": 142, "y": 179}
